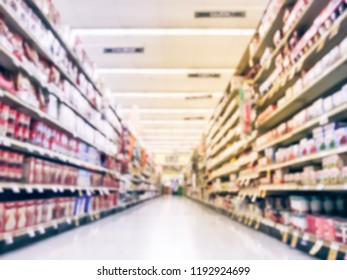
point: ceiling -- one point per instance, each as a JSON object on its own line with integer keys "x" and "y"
{"x": 170, "y": 109}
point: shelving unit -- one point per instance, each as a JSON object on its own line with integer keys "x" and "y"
{"x": 71, "y": 205}
{"x": 267, "y": 170}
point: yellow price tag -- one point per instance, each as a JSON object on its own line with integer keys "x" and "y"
{"x": 257, "y": 225}
{"x": 333, "y": 252}
{"x": 299, "y": 66}
{"x": 295, "y": 239}
{"x": 250, "y": 221}
{"x": 335, "y": 30}
{"x": 77, "y": 222}
{"x": 285, "y": 236}
{"x": 316, "y": 247}
{"x": 321, "y": 44}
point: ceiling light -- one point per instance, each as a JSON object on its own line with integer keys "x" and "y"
{"x": 171, "y": 111}
{"x": 171, "y": 137}
{"x": 168, "y": 122}
{"x": 162, "y": 95}
{"x": 172, "y": 130}
{"x": 161, "y": 71}
{"x": 163, "y": 32}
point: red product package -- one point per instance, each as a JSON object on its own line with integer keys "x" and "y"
{"x": 30, "y": 54}
{"x": 39, "y": 211}
{"x": 30, "y": 213}
{"x": 7, "y": 81}
{"x": 48, "y": 206}
{"x": 21, "y": 214}
{"x": 29, "y": 170}
{"x": 10, "y": 219}
{"x": 17, "y": 42}
{"x": 2, "y": 217}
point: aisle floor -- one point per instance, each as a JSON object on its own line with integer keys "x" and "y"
{"x": 164, "y": 228}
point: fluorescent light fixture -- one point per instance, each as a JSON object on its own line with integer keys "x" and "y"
{"x": 188, "y": 132}
{"x": 171, "y": 137}
{"x": 168, "y": 122}
{"x": 178, "y": 95}
{"x": 163, "y": 32}
{"x": 171, "y": 111}
{"x": 162, "y": 71}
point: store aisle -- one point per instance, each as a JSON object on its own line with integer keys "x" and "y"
{"x": 165, "y": 228}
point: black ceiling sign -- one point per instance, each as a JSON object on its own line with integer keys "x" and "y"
{"x": 220, "y": 14}
{"x": 203, "y": 75}
{"x": 123, "y": 50}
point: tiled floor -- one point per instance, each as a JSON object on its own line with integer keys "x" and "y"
{"x": 165, "y": 228}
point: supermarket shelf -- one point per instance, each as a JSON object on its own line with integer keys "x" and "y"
{"x": 328, "y": 79}
{"x": 40, "y": 188}
{"x": 246, "y": 176}
{"x": 232, "y": 122}
{"x": 224, "y": 191}
{"x": 336, "y": 114}
{"x": 302, "y": 241}
{"x": 309, "y": 14}
{"x": 230, "y": 137}
{"x": 14, "y": 240}
{"x": 226, "y": 115}
{"x": 232, "y": 151}
{"x": 45, "y": 153}
{"x": 214, "y": 129}
{"x": 21, "y": 105}
{"x": 12, "y": 62}
{"x": 305, "y": 159}
{"x": 57, "y": 35}
{"x": 244, "y": 64}
{"x": 295, "y": 187}
{"x": 15, "y": 23}
{"x": 329, "y": 40}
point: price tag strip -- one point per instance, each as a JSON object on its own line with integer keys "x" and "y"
{"x": 295, "y": 239}
{"x": 334, "y": 250}
{"x": 316, "y": 247}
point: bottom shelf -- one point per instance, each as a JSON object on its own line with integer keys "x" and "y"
{"x": 306, "y": 242}
{"x": 14, "y": 240}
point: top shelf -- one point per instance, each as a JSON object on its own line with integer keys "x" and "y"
{"x": 52, "y": 28}
{"x": 247, "y": 59}
{"x": 310, "y": 12}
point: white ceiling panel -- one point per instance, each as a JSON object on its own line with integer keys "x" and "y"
{"x": 179, "y": 82}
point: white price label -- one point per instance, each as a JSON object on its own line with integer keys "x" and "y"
{"x": 306, "y": 237}
{"x": 55, "y": 225}
{"x": 68, "y": 221}
{"x": 306, "y": 187}
{"x": 31, "y": 233}
{"x": 61, "y": 189}
{"x": 295, "y": 233}
{"x": 40, "y": 189}
{"x": 345, "y": 186}
{"x": 15, "y": 189}
{"x": 8, "y": 239}
{"x": 6, "y": 142}
{"x": 106, "y": 191}
{"x": 323, "y": 120}
{"x": 29, "y": 189}
{"x": 41, "y": 230}
{"x": 29, "y": 148}
{"x": 72, "y": 189}
{"x": 320, "y": 187}
{"x": 1, "y": 190}
{"x": 88, "y": 192}
{"x": 334, "y": 246}
{"x": 54, "y": 189}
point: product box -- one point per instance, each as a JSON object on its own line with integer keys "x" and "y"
{"x": 21, "y": 214}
